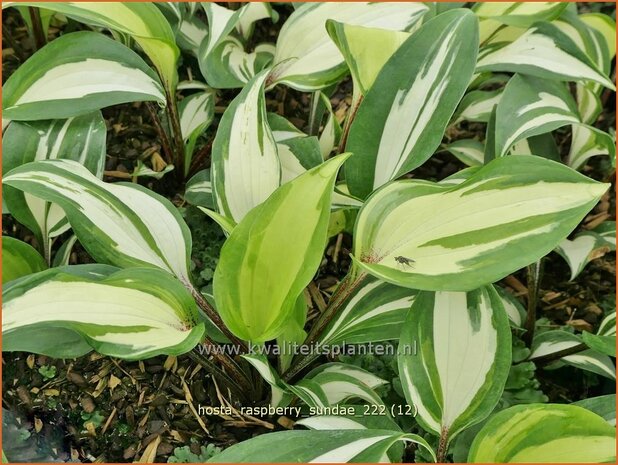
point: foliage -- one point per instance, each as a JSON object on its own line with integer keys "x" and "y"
{"x": 427, "y": 255}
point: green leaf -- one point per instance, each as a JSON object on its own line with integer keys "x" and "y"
{"x": 464, "y": 355}
{"x": 365, "y": 51}
{"x": 604, "y": 406}
{"x": 293, "y": 333}
{"x": 342, "y": 446}
{"x": 543, "y": 51}
{"x": 81, "y": 138}
{"x": 134, "y": 313}
{"x": 76, "y": 74}
{"x": 19, "y": 259}
{"x": 245, "y": 167}
{"x": 307, "y": 59}
{"x": 531, "y": 106}
{"x": 402, "y": 119}
{"x": 506, "y": 215}
{"x": 123, "y": 224}
{"x": 374, "y": 311}
{"x": 142, "y": 21}
{"x": 544, "y": 433}
{"x": 603, "y": 344}
{"x": 260, "y": 273}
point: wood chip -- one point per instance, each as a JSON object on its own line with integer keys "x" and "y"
{"x": 38, "y": 425}
{"x": 580, "y": 324}
{"x": 150, "y": 452}
{"x": 113, "y": 382}
{"x": 30, "y": 361}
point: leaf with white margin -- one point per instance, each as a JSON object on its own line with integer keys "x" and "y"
{"x": 544, "y": 433}
{"x": 402, "y": 119}
{"x": 197, "y": 112}
{"x": 307, "y": 59}
{"x": 123, "y": 224}
{"x": 245, "y": 166}
{"x": 133, "y": 314}
{"x": 314, "y": 446}
{"x": 374, "y": 311}
{"x": 587, "y": 142}
{"x": 477, "y": 106}
{"x": 142, "y": 21}
{"x": 531, "y": 106}
{"x": 331, "y": 132}
{"x": 81, "y": 138}
{"x": 543, "y": 51}
{"x": 192, "y": 32}
{"x": 19, "y": 259}
{"x": 507, "y": 214}
{"x": 582, "y": 249}
{"x": 551, "y": 342}
{"x": 257, "y": 254}
{"x": 604, "y": 406}
{"x": 464, "y": 355}
{"x": 468, "y": 151}
{"x": 76, "y": 74}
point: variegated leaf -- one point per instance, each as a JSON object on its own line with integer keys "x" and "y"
{"x": 512, "y": 306}
{"x": 464, "y": 356}
{"x": 587, "y": 142}
{"x": 608, "y": 325}
{"x": 506, "y": 215}
{"x": 133, "y": 313}
{"x": 544, "y": 433}
{"x": 402, "y": 118}
{"x": 198, "y": 190}
{"x": 585, "y": 247}
{"x": 257, "y": 254}
{"x": 468, "y": 151}
{"x": 307, "y": 59}
{"x": 477, "y": 105}
{"x": 196, "y": 114}
{"x": 245, "y": 167}
{"x": 81, "y": 138}
{"x": 551, "y": 342}
{"x": 223, "y": 59}
{"x": 375, "y": 311}
{"x": 314, "y": 446}
{"x": 142, "y": 21}
{"x": 543, "y": 51}
{"x": 76, "y": 74}
{"x": 123, "y": 224}
{"x": 19, "y": 259}
{"x": 531, "y": 106}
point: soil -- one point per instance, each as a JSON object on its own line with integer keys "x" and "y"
{"x": 96, "y": 408}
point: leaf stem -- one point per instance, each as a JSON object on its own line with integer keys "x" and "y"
{"x": 214, "y": 370}
{"x": 548, "y": 358}
{"x": 37, "y": 27}
{"x": 442, "y": 446}
{"x": 165, "y": 142}
{"x": 174, "y": 118}
{"x": 535, "y": 272}
{"x": 212, "y": 314}
{"x": 343, "y": 291}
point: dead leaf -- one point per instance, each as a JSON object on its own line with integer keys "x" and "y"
{"x": 113, "y": 382}
{"x": 30, "y": 361}
{"x": 38, "y": 425}
{"x": 150, "y": 452}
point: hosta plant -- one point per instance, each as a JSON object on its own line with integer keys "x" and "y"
{"x": 427, "y": 255}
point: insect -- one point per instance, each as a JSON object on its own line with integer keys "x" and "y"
{"x": 404, "y": 261}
